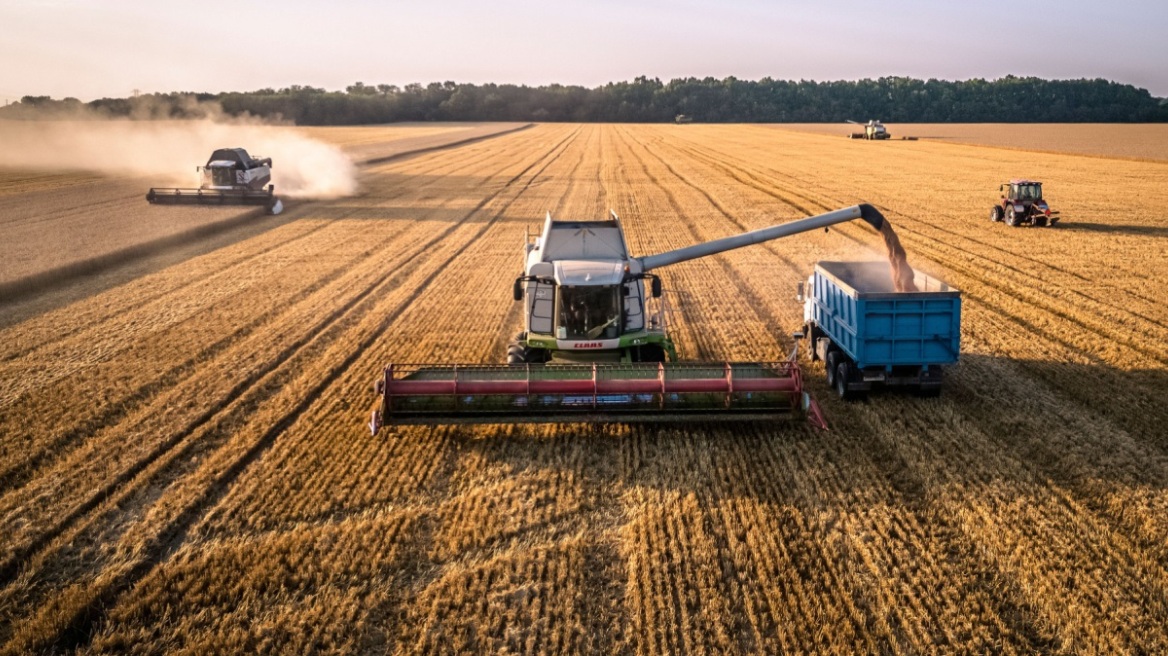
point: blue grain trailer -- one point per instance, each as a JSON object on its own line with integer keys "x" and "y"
{"x": 868, "y": 334}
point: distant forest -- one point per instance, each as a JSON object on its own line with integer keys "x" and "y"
{"x": 649, "y": 100}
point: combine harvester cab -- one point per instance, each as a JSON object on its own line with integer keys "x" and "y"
{"x": 596, "y": 345}
{"x": 230, "y": 177}
{"x": 868, "y": 334}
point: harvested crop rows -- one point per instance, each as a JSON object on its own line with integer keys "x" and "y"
{"x": 185, "y": 466}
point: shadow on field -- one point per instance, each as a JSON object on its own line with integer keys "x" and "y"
{"x": 43, "y": 292}
{"x": 423, "y": 214}
{"x": 1115, "y": 228}
{"x": 1064, "y": 420}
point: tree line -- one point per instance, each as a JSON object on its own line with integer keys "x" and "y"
{"x": 647, "y": 100}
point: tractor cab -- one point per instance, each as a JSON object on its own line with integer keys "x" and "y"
{"x": 1024, "y": 191}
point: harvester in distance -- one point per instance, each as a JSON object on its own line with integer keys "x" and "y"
{"x": 873, "y": 129}
{"x": 1021, "y": 203}
{"x": 230, "y": 177}
{"x": 596, "y": 345}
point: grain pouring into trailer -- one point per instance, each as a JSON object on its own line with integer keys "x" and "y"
{"x": 596, "y": 345}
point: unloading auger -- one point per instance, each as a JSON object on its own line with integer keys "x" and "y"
{"x": 596, "y": 345}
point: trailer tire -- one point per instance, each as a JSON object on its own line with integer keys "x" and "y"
{"x": 829, "y": 367}
{"x": 929, "y": 392}
{"x": 813, "y": 334}
{"x": 842, "y": 372}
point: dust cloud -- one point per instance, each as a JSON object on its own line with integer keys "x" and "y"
{"x": 166, "y": 152}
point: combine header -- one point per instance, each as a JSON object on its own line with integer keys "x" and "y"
{"x": 230, "y": 177}
{"x": 596, "y": 345}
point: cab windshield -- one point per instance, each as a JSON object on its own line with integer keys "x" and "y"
{"x": 1029, "y": 192}
{"x": 588, "y": 313}
{"x": 222, "y": 176}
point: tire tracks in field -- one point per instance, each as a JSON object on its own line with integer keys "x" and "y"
{"x": 923, "y": 244}
{"x": 81, "y": 627}
{"x": 823, "y": 560}
{"x": 7, "y": 569}
{"x": 987, "y": 247}
{"x": 1084, "y": 496}
{"x": 1023, "y": 326}
{"x": 13, "y": 474}
{"x": 244, "y": 258}
{"x": 47, "y": 280}
{"x": 982, "y": 247}
{"x": 916, "y": 513}
{"x": 752, "y": 301}
{"x": 515, "y": 315}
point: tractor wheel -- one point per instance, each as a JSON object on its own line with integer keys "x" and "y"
{"x": 1040, "y": 221}
{"x": 1012, "y": 218}
{"x": 996, "y": 214}
{"x": 830, "y": 365}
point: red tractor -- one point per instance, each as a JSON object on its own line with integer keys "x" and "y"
{"x": 1022, "y": 203}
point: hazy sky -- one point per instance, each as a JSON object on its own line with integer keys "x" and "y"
{"x": 90, "y": 49}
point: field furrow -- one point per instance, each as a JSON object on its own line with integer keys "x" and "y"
{"x": 184, "y": 465}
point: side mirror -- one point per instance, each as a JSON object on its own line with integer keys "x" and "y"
{"x": 517, "y": 290}
{"x": 656, "y": 287}
{"x": 799, "y": 293}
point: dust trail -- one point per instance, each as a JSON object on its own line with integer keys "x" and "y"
{"x": 902, "y": 273}
{"x": 167, "y": 152}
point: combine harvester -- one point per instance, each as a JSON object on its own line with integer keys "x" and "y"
{"x": 230, "y": 177}
{"x": 873, "y": 130}
{"x": 596, "y": 347}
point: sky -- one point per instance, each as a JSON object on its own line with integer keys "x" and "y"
{"x": 109, "y": 48}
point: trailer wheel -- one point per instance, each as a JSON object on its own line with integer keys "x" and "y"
{"x": 996, "y": 214}
{"x": 842, "y": 372}
{"x": 829, "y": 367}
{"x": 929, "y": 392}
{"x": 813, "y": 334}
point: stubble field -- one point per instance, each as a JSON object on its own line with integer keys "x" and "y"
{"x": 184, "y": 465}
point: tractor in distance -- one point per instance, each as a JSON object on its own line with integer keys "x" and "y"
{"x": 1021, "y": 203}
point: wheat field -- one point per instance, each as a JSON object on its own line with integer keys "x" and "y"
{"x": 184, "y": 466}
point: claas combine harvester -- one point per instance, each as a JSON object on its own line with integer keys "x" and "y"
{"x": 230, "y": 177}
{"x": 596, "y": 345}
